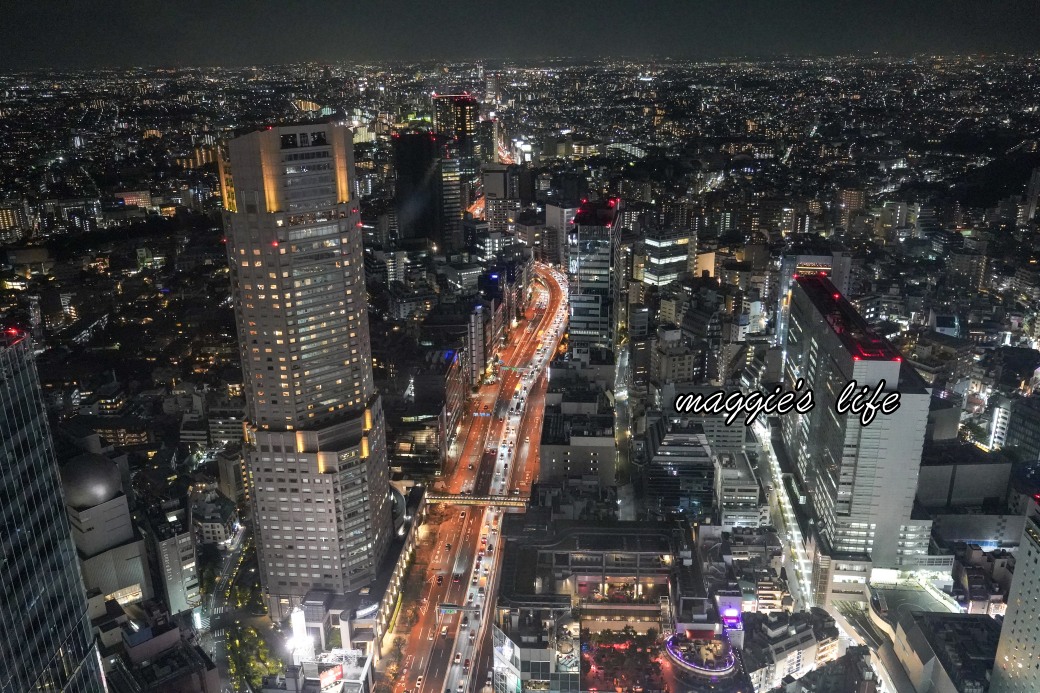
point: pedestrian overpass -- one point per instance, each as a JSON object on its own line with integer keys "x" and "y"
{"x": 462, "y": 499}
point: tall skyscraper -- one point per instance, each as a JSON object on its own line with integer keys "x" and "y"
{"x": 860, "y": 480}
{"x": 594, "y": 257}
{"x": 316, "y": 448}
{"x": 450, "y": 201}
{"x": 45, "y": 635}
{"x": 456, "y": 116}
{"x": 1015, "y": 669}
{"x": 416, "y": 157}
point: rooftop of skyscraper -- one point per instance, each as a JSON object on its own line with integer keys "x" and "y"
{"x": 845, "y": 321}
{"x": 598, "y": 213}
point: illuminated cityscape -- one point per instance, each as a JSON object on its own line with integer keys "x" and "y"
{"x": 368, "y": 368}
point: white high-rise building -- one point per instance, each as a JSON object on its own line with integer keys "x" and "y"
{"x": 316, "y": 450}
{"x": 1016, "y": 668}
{"x": 860, "y": 480}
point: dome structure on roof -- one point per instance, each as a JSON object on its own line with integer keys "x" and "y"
{"x": 90, "y": 480}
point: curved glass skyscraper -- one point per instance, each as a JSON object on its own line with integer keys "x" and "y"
{"x": 45, "y": 637}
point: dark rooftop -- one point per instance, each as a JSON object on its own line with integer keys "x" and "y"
{"x": 858, "y": 337}
{"x": 602, "y": 213}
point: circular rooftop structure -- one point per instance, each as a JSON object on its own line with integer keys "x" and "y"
{"x": 89, "y": 481}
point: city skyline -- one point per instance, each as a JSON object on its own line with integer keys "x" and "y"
{"x": 101, "y": 34}
{"x": 372, "y": 378}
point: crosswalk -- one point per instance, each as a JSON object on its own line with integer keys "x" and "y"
{"x": 219, "y": 633}
{"x": 208, "y": 619}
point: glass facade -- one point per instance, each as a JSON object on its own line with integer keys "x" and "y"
{"x": 45, "y": 636}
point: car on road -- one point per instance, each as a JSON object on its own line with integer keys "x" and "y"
{"x": 418, "y": 681}
{"x": 457, "y": 578}
{"x": 462, "y": 515}
{"x": 465, "y": 667}
{"x": 444, "y": 631}
{"x": 458, "y": 657}
{"x": 440, "y": 579}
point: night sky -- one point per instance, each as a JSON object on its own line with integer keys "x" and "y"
{"x": 94, "y": 33}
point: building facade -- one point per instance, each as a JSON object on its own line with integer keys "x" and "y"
{"x": 112, "y": 553}
{"x": 45, "y": 637}
{"x": 1015, "y": 669}
{"x": 173, "y": 545}
{"x": 316, "y": 447}
{"x": 861, "y": 478}
{"x": 594, "y": 267}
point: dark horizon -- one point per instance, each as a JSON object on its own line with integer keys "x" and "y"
{"x": 535, "y": 60}
{"x": 149, "y": 33}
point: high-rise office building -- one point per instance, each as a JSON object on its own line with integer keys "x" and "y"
{"x": 558, "y": 218}
{"x": 316, "y": 448}
{"x": 501, "y": 197}
{"x": 665, "y": 254}
{"x": 172, "y": 536}
{"x": 594, "y": 264}
{"x": 861, "y": 480}
{"x": 501, "y": 182}
{"x": 416, "y": 157}
{"x": 1015, "y": 669}
{"x": 837, "y": 265}
{"x": 456, "y": 116}
{"x": 450, "y": 201}
{"x": 45, "y": 635}
{"x": 1022, "y": 429}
